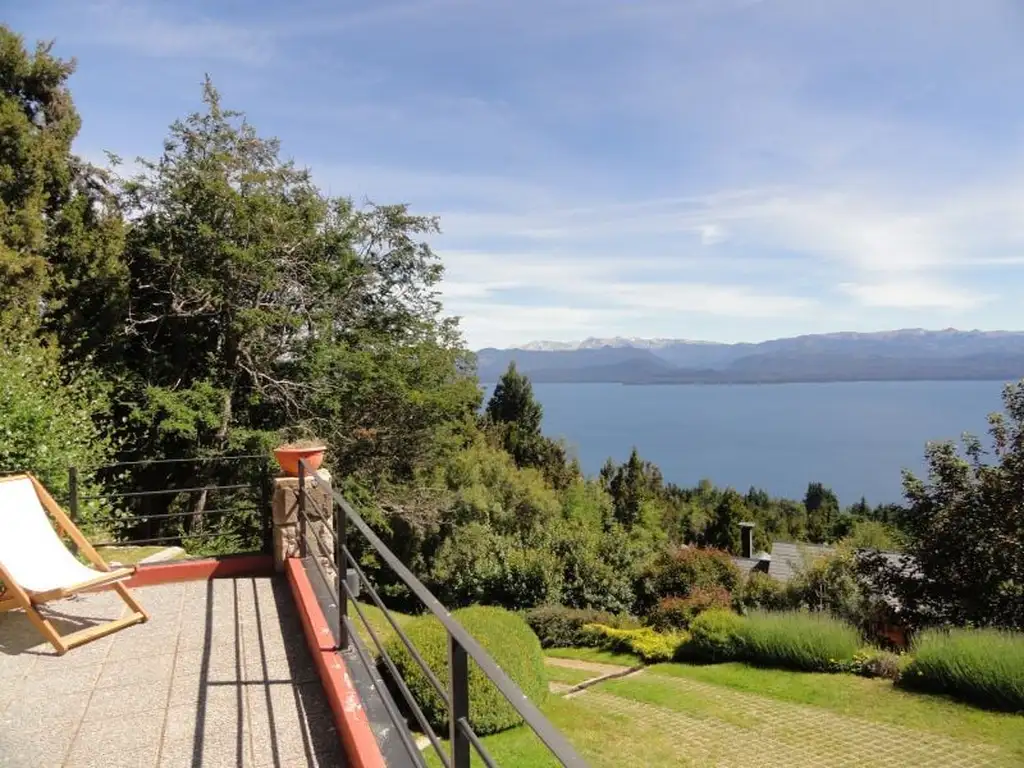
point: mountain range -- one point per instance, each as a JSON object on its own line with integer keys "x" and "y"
{"x": 911, "y": 354}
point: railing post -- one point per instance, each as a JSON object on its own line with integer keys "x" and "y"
{"x": 302, "y": 508}
{"x": 458, "y": 692}
{"x": 340, "y": 573}
{"x": 73, "y": 493}
{"x": 266, "y": 514}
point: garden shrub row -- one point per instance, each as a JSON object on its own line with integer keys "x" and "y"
{"x": 983, "y": 666}
{"x": 650, "y": 645}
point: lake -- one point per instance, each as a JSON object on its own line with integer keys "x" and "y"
{"x": 852, "y": 436}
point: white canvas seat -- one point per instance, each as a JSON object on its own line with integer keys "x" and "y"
{"x": 36, "y": 566}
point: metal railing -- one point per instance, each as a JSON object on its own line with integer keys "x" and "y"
{"x": 163, "y": 501}
{"x": 461, "y": 645}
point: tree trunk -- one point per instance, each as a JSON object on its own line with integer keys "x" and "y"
{"x": 205, "y": 475}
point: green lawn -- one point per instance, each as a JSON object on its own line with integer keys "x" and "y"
{"x": 593, "y": 654}
{"x": 567, "y": 675}
{"x": 876, "y": 700}
{"x": 607, "y": 739}
{"x": 128, "y": 555}
{"x": 603, "y": 739}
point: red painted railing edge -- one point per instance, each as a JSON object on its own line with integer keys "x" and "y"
{"x": 231, "y": 566}
{"x": 361, "y": 746}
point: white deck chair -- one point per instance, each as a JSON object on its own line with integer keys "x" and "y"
{"x": 36, "y": 567}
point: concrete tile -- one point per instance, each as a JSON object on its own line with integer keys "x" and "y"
{"x": 290, "y": 724}
{"x": 57, "y": 682}
{"x": 216, "y": 754}
{"x": 13, "y": 666}
{"x": 34, "y": 749}
{"x": 299, "y": 669}
{"x": 104, "y": 741}
{"x": 215, "y": 734}
{"x": 94, "y": 652}
{"x": 221, "y": 714}
{"x": 144, "y": 758}
{"x": 35, "y": 713}
{"x": 136, "y": 672}
{"x": 142, "y": 644}
{"x": 220, "y": 663}
{"x": 126, "y": 700}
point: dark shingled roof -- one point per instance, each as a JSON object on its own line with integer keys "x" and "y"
{"x": 750, "y": 564}
{"x": 788, "y": 558}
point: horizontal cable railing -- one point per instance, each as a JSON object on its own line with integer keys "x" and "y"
{"x": 461, "y": 645}
{"x": 201, "y": 502}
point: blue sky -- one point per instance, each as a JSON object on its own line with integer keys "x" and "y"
{"x": 730, "y": 170}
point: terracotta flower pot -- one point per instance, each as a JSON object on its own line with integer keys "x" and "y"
{"x": 288, "y": 457}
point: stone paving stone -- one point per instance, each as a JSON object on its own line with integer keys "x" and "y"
{"x": 291, "y": 725}
{"x": 34, "y": 749}
{"x": 40, "y": 713}
{"x": 100, "y": 742}
{"x": 136, "y": 672}
{"x": 217, "y": 733}
{"x": 280, "y": 668}
{"x": 124, "y": 700}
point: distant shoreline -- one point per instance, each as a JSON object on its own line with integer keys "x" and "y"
{"x": 766, "y": 382}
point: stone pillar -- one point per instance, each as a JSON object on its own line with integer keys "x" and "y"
{"x": 285, "y": 509}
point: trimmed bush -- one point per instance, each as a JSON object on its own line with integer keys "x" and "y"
{"x": 504, "y": 635}
{"x": 561, "y": 627}
{"x": 814, "y": 642}
{"x": 715, "y": 635}
{"x": 653, "y": 647}
{"x": 983, "y": 666}
{"x": 677, "y": 612}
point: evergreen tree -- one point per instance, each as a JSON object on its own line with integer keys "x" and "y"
{"x": 513, "y": 403}
{"x": 822, "y": 511}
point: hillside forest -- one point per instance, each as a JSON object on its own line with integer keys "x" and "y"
{"x": 210, "y": 300}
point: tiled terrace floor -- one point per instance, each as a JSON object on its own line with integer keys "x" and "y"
{"x": 219, "y": 676}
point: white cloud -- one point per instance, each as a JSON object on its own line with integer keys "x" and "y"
{"x": 142, "y": 28}
{"x": 909, "y": 294}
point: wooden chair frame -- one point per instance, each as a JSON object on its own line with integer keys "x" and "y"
{"x": 17, "y": 597}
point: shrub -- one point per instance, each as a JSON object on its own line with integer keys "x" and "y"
{"x": 504, "y": 635}
{"x": 678, "y": 572}
{"x": 813, "y": 642}
{"x": 49, "y": 420}
{"x": 829, "y": 583}
{"x": 874, "y": 662}
{"x": 677, "y": 612}
{"x": 760, "y": 592}
{"x": 984, "y": 666}
{"x": 561, "y": 627}
{"x": 715, "y": 635}
{"x": 649, "y": 645}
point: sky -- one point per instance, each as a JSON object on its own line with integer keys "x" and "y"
{"x": 726, "y": 170}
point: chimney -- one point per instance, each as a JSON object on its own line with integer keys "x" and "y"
{"x": 747, "y": 540}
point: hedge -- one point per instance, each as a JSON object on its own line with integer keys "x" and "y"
{"x": 651, "y": 646}
{"x": 559, "y": 627}
{"x": 814, "y": 642}
{"x": 983, "y": 666}
{"x": 504, "y": 635}
{"x": 715, "y": 635}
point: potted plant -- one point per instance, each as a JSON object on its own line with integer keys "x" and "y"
{"x": 288, "y": 455}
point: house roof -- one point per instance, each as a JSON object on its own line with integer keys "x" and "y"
{"x": 750, "y": 564}
{"x": 790, "y": 557}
